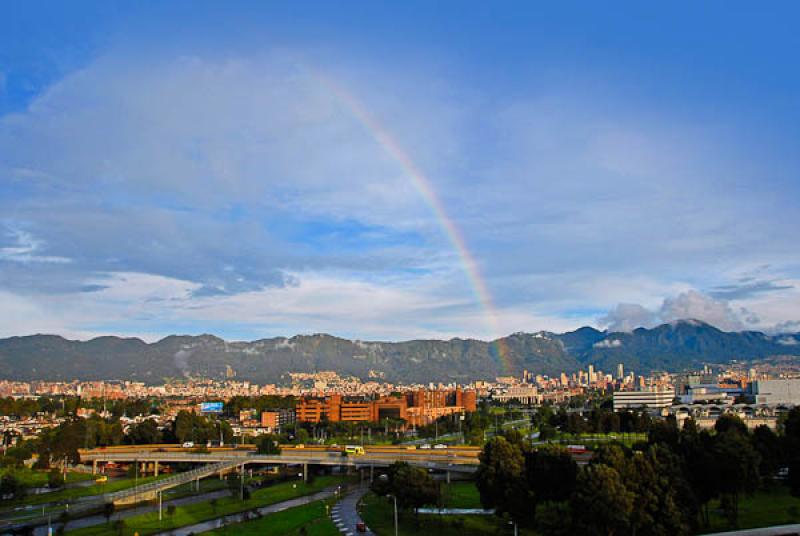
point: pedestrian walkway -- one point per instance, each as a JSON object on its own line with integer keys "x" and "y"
{"x": 781, "y": 530}
{"x": 345, "y": 512}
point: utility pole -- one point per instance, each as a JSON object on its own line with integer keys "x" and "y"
{"x": 135, "y": 482}
{"x": 395, "y": 515}
{"x": 159, "y": 505}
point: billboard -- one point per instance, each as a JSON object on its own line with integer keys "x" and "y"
{"x": 211, "y": 407}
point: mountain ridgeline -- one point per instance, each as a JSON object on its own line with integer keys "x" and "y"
{"x": 673, "y": 346}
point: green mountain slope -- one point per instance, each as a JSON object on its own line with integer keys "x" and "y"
{"x": 668, "y": 347}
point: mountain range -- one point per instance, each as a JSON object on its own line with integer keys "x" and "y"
{"x": 674, "y": 346}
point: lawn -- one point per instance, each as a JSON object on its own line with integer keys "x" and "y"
{"x": 311, "y": 517}
{"x": 206, "y": 485}
{"x": 71, "y": 494}
{"x": 189, "y": 514}
{"x": 764, "y": 509}
{"x": 461, "y": 495}
{"x": 377, "y": 513}
{"x": 592, "y": 439}
{"x": 38, "y": 479}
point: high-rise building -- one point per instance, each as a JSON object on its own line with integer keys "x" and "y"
{"x": 620, "y": 372}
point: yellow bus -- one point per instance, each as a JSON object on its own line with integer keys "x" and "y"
{"x": 354, "y": 450}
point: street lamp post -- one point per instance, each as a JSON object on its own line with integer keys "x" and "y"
{"x": 395, "y": 513}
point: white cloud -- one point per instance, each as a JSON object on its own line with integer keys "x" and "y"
{"x": 608, "y": 343}
{"x": 694, "y": 305}
{"x": 27, "y": 249}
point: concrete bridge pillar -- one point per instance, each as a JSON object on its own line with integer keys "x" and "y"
{"x": 448, "y": 477}
{"x": 155, "y": 468}
{"x": 371, "y": 473}
{"x": 305, "y": 472}
{"x": 94, "y": 467}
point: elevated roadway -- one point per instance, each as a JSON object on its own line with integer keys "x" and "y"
{"x": 436, "y": 459}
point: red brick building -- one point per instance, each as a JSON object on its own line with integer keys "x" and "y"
{"x": 416, "y": 408}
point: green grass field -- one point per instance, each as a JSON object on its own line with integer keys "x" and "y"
{"x": 764, "y": 509}
{"x": 310, "y": 517}
{"x": 461, "y": 495}
{"x": 377, "y": 513}
{"x": 74, "y": 493}
{"x": 38, "y": 479}
{"x": 146, "y": 524}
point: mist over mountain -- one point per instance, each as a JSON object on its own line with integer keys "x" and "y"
{"x": 673, "y": 346}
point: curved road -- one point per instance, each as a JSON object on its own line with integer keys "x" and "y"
{"x": 345, "y": 512}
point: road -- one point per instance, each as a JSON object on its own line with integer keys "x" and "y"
{"x": 345, "y": 512}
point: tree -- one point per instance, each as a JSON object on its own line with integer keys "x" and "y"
{"x": 412, "y": 486}
{"x": 500, "y": 476}
{"x": 268, "y": 444}
{"x": 702, "y": 469}
{"x": 551, "y": 474}
{"x": 11, "y": 487}
{"x": 145, "y": 433}
{"x": 727, "y": 422}
{"x": 119, "y": 526}
{"x": 64, "y": 519}
{"x": 791, "y": 427}
{"x": 662, "y": 499}
{"x": 601, "y": 504}
{"x": 738, "y": 465}
{"x": 55, "y": 479}
{"x": 183, "y": 427}
{"x": 108, "y": 511}
{"x": 768, "y": 445}
{"x": 554, "y": 518}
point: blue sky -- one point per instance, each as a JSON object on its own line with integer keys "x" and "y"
{"x": 187, "y": 167}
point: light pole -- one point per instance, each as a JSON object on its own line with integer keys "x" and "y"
{"x": 395, "y": 513}
{"x": 241, "y": 481}
{"x": 136, "y": 483}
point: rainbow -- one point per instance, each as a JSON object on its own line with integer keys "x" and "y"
{"x": 423, "y": 185}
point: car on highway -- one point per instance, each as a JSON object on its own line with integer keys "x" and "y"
{"x": 361, "y": 527}
{"x": 353, "y": 450}
{"x": 425, "y": 446}
{"x": 440, "y": 446}
{"x": 188, "y": 444}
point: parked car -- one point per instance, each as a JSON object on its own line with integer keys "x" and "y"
{"x": 361, "y": 527}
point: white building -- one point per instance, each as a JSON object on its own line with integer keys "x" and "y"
{"x": 651, "y": 399}
{"x": 777, "y": 391}
{"x": 524, "y": 394}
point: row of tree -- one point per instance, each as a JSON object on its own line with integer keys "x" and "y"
{"x": 661, "y": 486}
{"x": 58, "y": 445}
{"x": 69, "y": 405}
{"x": 597, "y": 420}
